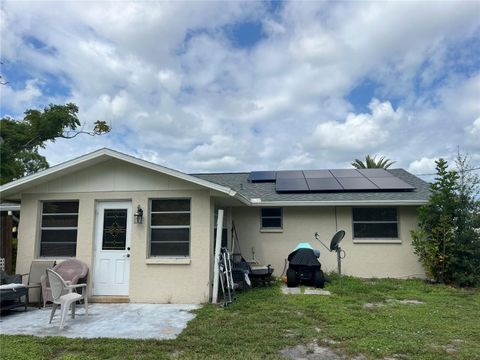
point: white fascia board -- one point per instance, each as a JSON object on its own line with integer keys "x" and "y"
{"x": 85, "y": 159}
{"x": 340, "y": 203}
{"x": 244, "y": 199}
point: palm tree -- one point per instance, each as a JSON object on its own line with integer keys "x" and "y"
{"x": 372, "y": 163}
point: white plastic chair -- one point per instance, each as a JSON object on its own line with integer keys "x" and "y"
{"x": 64, "y": 296}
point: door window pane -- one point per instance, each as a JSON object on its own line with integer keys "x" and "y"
{"x": 114, "y": 229}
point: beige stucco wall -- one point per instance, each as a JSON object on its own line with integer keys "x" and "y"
{"x": 155, "y": 283}
{"x": 364, "y": 259}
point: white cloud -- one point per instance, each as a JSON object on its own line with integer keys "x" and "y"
{"x": 20, "y": 98}
{"x": 359, "y": 132}
{"x": 473, "y": 133}
{"x": 423, "y": 166}
{"x": 176, "y": 89}
{"x": 299, "y": 160}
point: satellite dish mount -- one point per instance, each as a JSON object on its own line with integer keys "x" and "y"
{"x": 335, "y": 246}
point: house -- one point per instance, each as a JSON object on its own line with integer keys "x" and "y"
{"x": 89, "y": 208}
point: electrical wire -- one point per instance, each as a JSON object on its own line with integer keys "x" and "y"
{"x": 467, "y": 170}
{"x": 284, "y": 268}
{"x": 336, "y": 223}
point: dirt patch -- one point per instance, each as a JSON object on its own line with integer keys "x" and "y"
{"x": 392, "y": 301}
{"x": 372, "y": 305}
{"x": 395, "y": 357}
{"x": 450, "y": 349}
{"x": 310, "y": 351}
{"x": 290, "y": 333}
{"x": 176, "y": 354}
{"x": 411, "y": 302}
{"x": 329, "y": 341}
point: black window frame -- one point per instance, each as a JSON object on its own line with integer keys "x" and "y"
{"x": 386, "y": 237}
{"x": 262, "y": 216}
{"x": 43, "y": 228}
{"x": 167, "y": 227}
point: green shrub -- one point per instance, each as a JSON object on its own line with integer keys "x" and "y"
{"x": 448, "y": 239}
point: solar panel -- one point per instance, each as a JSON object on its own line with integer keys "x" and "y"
{"x": 291, "y": 185}
{"x": 356, "y": 183}
{"x": 315, "y": 174}
{"x": 348, "y": 173}
{"x": 336, "y": 180}
{"x": 290, "y": 174}
{"x": 262, "y": 176}
{"x": 374, "y": 173}
{"x": 391, "y": 183}
{"x": 323, "y": 184}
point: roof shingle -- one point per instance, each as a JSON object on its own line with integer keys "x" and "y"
{"x": 266, "y": 190}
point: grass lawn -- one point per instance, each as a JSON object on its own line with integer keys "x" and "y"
{"x": 263, "y": 321}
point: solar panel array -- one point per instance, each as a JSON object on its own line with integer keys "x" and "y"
{"x": 335, "y": 180}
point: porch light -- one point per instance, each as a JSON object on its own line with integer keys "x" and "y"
{"x": 138, "y": 216}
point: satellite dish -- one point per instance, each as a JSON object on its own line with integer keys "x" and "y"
{"x": 334, "y": 246}
{"x": 336, "y": 240}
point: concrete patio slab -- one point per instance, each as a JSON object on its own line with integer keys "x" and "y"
{"x": 287, "y": 290}
{"x": 307, "y": 291}
{"x": 317, "y": 292}
{"x": 124, "y": 321}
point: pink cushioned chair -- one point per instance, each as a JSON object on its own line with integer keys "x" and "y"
{"x": 71, "y": 270}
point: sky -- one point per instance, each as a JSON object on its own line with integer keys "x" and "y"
{"x": 241, "y": 86}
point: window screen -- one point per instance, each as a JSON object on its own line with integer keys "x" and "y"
{"x": 58, "y": 229}
{"x": 170, "y": 227}
{"x": 271, "y": 218}
{"x": 375, "y": 223}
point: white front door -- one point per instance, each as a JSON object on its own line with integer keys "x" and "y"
{"x": 111, "y": 269}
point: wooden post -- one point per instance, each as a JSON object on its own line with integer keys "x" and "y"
{"x": 6, "y": 240}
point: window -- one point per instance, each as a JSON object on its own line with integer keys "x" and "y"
{"x": 271, "y": 218}
{"x": 170, "y": 227}
{"x": 58, "y": 230}
{"x": 375, "y": 223}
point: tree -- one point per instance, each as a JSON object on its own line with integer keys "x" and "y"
{"x": 372, "y": 163}
{"x": 20, "y": 140}
{"x": 465, "y": 259}
{"x": 448, "y": 239}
